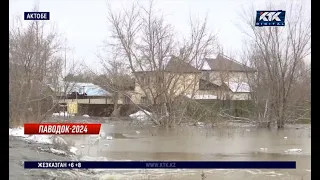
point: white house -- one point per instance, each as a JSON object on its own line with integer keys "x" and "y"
{"x": 225, "y": 78}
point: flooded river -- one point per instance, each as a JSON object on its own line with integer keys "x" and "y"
{"x": 129, "y": 141}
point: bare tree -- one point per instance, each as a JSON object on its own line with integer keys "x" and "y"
{"x": 34, "y": 62}
{"x": 116, "y": 80}
{"x": 226, "y": 79}
{"x": 143, "y": 40}
{"x": 277, "y": 53}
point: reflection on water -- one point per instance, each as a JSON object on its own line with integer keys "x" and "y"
{"x": 193, "y": 143}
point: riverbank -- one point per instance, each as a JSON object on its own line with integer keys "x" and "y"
{"x": 41, "y": 148}
{"x": 21, "y": 150}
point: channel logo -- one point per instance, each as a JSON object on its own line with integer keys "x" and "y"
{"x": 270, "y": 18}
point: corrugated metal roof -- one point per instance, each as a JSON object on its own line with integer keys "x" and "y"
{"x": 89, "y": 88}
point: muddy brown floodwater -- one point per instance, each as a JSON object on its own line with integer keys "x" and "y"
{"x": 129, "y": 141}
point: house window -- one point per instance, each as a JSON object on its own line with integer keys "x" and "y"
{"x": 145, "y": 80}
{"x": 126, "y": 100}
{"x": 159, "y": 79}
{"x": 206, "y": 76}
{"x": 142, "y": 79}
{"x": 144, "y": 100}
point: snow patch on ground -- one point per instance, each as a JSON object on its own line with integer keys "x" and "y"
{"x": 140, "y": 115}
{"x": 58, "y": 140}
{"x": 19, "y": 132}
{"x": 62, "y": 114}
{"x": 73, "y": 150}
{"x": 57, "y": 151}
{"x": 86, "y": 115}
{"x": 42, "y": 139}
{"x": 293, "y": 151}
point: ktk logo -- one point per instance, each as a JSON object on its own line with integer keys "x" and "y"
{"x": 272, "y": 16}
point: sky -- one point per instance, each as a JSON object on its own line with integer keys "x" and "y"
{"x": 83, "y": 23}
